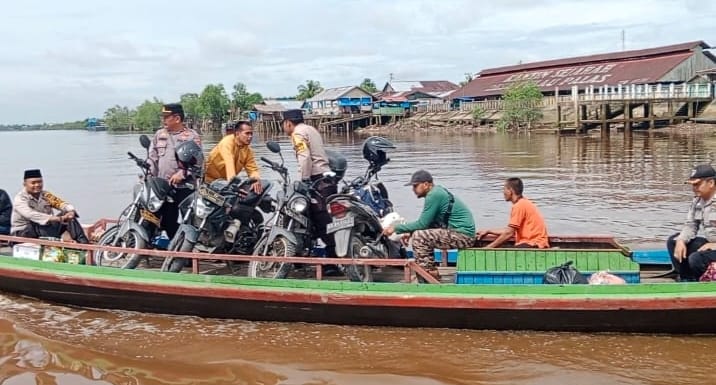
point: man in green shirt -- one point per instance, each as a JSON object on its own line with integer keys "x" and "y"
{"x": 445, "y": 223}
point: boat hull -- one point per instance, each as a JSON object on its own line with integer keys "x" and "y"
{"x": 654, "y": 308}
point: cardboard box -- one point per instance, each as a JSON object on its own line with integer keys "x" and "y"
{"x": 75, "y": 257}
{"x": 27, "y": 251}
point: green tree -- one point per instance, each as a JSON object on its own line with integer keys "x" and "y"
{"x": 243, "y": 99}
{"x": 213, "y": 103}
{"x": 118, "y": 118}
{"x": 468, "y": 79}
{"x": 309, "y": 90}
{"x": 190, "y": 103}
{"x": 522, "y": 105}
{"x": 478, "y": 113}
{"x": 148, "y": 115}
{"x": 369, "y": 86}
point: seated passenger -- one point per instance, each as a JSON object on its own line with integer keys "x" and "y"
{"x": 33, "y": 215}
{"x": 5, "y": 212}
{"x": 445, "y": 223}
{"x": 690, "y": 254}
{"x": 526, "y": 223}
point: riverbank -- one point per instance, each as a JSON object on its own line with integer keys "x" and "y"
{"x": 451, "y": 123}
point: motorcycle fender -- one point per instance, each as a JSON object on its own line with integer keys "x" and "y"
{"x": 342, "y": 238}
{"x": 276, "y": 231}
{"x": 136, "y": 227}
{"x": 191, "y": 233}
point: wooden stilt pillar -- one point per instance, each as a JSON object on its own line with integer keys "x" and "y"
{"x": 559, "y": 117}
{"x": 628, "y": 115}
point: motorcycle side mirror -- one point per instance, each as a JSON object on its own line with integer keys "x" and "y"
{"x": 145, "y": 141}
{"x": 273, "y": 146}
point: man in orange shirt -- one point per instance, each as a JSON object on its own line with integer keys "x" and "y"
{"x": 526, "y": 223}
{"x": 233, "y": 154}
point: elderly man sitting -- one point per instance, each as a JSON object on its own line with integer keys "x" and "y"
{"x": 33, "y": 215}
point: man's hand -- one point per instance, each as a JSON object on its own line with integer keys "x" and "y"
{"x": 257, "y": 187}
{"x": 177, "y": 178}
{"x": 708, "y": 246}
{"x": 680, "y": 250}
{"x": 388, "y": 231}
{"x": 68, "y": 216}
{"x": 481, "y": 234}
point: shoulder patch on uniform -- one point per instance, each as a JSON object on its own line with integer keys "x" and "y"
{"x": 299, "y": 145}
{"x": 52, "y": 199}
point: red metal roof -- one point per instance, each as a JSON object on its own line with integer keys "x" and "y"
{"x": 628, "y": 67}
{"x": 634, "y": 54}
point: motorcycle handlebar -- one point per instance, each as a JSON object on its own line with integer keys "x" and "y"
{"x": 139, "y": 162}
{"x": 274, "y": 165}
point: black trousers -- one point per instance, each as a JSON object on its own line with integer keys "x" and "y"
{"x": 169, "y": 213}
{"x": 55, "y": 230}
{"x": 318, "y": 212}
{"x": 696, "y": 262}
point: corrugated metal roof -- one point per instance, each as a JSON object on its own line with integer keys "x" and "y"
{"x": 432, "y": 87}
{"x": 634, "y": 71}
{"x": 633, "y": 54}
{"x": 331, "y": 93}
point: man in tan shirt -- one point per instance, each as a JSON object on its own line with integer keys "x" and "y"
{"x": 33, "y": 215}
{"x": 312, "y": 163}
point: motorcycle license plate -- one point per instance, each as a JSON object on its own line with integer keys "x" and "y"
{"x": 211, "y": 196}
{"x": 340, "y": 224}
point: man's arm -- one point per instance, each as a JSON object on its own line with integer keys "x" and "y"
{"x": 303, "y": 155}
{"x": 427, "y": 217}
{"x": 691, "y": 226}
{"x": 153, "y": 157}
{"x": 23, "y": 208}
{"x": 252, "y": 169}
{"x": 502, "y": 236}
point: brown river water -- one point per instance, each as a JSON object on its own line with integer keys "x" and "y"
{"x": 631, "y": 187}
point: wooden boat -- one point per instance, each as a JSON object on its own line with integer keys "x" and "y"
{"x": 648, "y": 307}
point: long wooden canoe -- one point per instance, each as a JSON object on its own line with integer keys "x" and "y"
{"x": 646, "y": 307}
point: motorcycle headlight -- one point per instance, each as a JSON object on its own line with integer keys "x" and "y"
{"x": 202, "y": 209}
{"x": 298, "y": 204}
{"x": 154, "y": 203}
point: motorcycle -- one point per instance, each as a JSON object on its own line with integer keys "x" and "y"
{"x": 289, "y": 232}
{"x": 138, "y": 226}
{"x": 358, "y": 212}
{"x": 223, "y": 217}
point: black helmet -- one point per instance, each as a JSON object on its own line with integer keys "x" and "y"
{"x": 374, "y": 150}
{"x": 189, "y": 155}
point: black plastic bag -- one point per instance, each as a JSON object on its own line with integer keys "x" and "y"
{"x": 564, "y": 274}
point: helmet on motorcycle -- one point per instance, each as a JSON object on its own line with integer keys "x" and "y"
{"x": 189, "y": 155}
{"x": 374, "y": 150}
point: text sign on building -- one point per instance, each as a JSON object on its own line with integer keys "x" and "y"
{"x": 570, "y": 76}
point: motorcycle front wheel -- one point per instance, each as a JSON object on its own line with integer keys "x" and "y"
{"x": 131, "y": 240}
{"x": 175, "y": 265}
{"x": 357, "y": 273}
{"x": 280, "y": 247}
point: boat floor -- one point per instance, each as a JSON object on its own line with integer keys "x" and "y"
{"x": 648, "y": 273}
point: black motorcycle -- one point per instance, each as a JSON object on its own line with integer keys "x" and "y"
{"x": 357, "y": 215}
{"x": 223, "y": 217}
{"x": 289, "y": 232}
{"x": 138, "y": 225}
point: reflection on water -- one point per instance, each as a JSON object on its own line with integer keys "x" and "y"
{"x": 128, "y": 348}
{"x": 630, "y": 186}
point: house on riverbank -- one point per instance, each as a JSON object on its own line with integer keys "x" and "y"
{"x": 340, "y": 100}
{"x": 672, "y": 64}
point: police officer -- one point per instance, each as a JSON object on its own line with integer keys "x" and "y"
{"x": 312, "y": 163}
{"x": 163, "y": 161}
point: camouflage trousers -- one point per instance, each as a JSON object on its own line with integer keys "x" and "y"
{"x": 425, "y": 241}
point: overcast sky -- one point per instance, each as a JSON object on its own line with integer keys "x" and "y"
{"x": 68, "y": 60}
